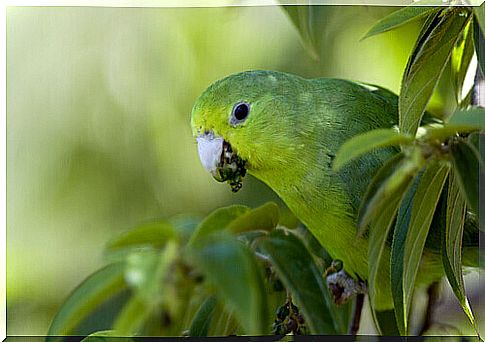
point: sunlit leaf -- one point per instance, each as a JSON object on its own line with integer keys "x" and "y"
{"x": 104, "y": 336}
{"x": 412, "y": 226}
{"x": 298, "y": 272}
{"x": 203, "y": 318}
{"x": 265, "y": 217}
{"x": 451, "y": 245}
{"x": 232, "y": 270}
{"x": 86, "y": 298}
{"x": 154, "y": 234}
{"x": 426, "y": 64}
{"x": 398, "y": 18}
{"x": 466, "y": 161}
{"x": 219, "y": 219}
{"x": 368, "y": 141}
{"x": 393, "y": 178}
{"x": 461, "y": 56}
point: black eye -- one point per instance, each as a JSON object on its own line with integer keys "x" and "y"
{"x": 239, "y": 113}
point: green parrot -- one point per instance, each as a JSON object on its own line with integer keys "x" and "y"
{"x": 285, "y": 130}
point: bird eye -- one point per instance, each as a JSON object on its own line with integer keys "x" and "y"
{"x": 239, "y": 113}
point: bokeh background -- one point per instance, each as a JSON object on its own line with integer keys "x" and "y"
{"x": 98, "y": 133}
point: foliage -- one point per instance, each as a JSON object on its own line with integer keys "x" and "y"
{"x": 441, "y": 154}
{"x": 239, "y": 269}
{"x": 222, "y": 271}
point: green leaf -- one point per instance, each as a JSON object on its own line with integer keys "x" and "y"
{"x": 93, "y": 291}
{"x": 265, "y": 217}
{"x": 203, "y": 318}
{"x": 104, "y": 336}
{"x": 393, "y": 177}
{"x": 298, "y": 272}
{"x": 426, "y": 64}
{"x": 153, "y": 234}
{"x": 366, "y": 142}
{"x": 447, "y": 131}
{"x": 479, "y": 12}
{"x": 451, "y": 245}
{"x": 474, "y": 118}
{"x": 398, "y": 18}
{"x": 132, "y": 317}
{"x": 232, "y": 270}
{"x": 478, "y": 44}
{"x": 466, "y": 160}
{"x": 461, "y": 56}
{"x": 379, "y": 267}
{"x": 410, "y": 234}
{"x": 386, "y": 322}
{"x": 219, "y": 219}
{"x": 145, "y": 272}
{"x": 461, "y": 121}
{"x": 301, "y": 17}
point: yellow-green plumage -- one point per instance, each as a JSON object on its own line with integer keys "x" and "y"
{"x": 289, "y": 139}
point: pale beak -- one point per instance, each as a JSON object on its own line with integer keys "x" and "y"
{"x": 217, "y": 157}
{"x": 210, "y": 150}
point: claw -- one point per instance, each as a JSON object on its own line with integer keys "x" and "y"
{"x": 343, "y": 287}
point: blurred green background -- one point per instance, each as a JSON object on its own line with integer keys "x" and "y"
{"x": 98, "y": 109}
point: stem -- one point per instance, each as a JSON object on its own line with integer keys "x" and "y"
{"x": 357, "y": 312}
{"x": 433, "y": 295}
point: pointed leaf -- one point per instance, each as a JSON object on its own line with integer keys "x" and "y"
{"x": 478, "y": 39}
{"x": 466, "y": 161}
{"x": 460, "y": 60}
{"x": 390, "y": 179}
{"x": 366, "y": 142}
{"x": 232, "y": 270}
{"x": 97, "y": 288}
{"x": 265, "y": 217}
{"x": 398, "y": 18}
{"x": 298, "y": 272}
{"x": 103, "y": 336}
{"x": 301, "y": 16}
{"x": 219, "y": 219}
{"x": 451, "y": 245}
{"x": 379, "y": 268}
{"x": 153, "y": 234}
{"x": 426, "y": 64}
{"x": 473, "y": 118}
{"x": 479, "y": 12}
{"x": 410, "y": 234}
{"x": 447, "y": 131}
{"x": 203, "y": 318}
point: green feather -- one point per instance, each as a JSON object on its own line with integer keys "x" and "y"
{"x": 289, "y": 139}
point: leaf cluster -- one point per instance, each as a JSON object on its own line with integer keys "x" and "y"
{"x": 438, "y": 169}
{"x": 229, "y": 273}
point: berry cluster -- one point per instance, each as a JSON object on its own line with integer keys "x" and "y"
{"x": 289, "y": 320}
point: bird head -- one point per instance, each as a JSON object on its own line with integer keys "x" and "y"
{"x": 241, "y": 124}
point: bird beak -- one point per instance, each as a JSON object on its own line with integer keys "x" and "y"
{"x": 210, "y": 152}
{"x": 217, "y": 157}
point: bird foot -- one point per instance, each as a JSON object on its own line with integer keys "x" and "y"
{"x": 343, "y": 287}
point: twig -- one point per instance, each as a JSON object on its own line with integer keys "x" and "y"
{"x": 357, "y": 312}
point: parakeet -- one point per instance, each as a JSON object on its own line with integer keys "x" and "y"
{"x": 285, "y": 130}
